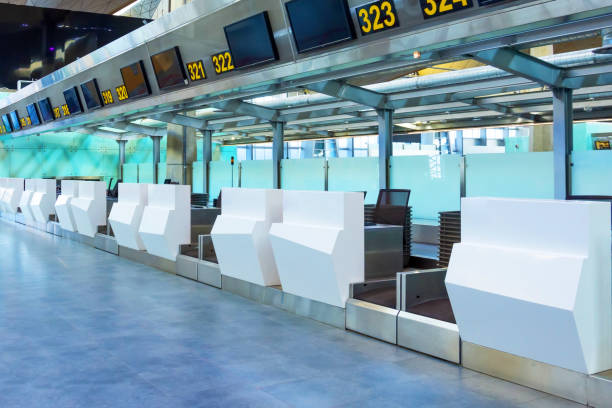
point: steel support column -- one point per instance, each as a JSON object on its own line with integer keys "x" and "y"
{"x": 121, "y": 159}
{"x": 156, "y": 156}
{"x": 206, "y": 159}
{"x": 385, "y": 145}
{"x": 563, "y": 137}
{"x": 278, "y": 149}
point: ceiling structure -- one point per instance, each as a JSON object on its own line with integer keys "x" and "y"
{"x": 506, "y": 86}
{"x": 92, "y": 6}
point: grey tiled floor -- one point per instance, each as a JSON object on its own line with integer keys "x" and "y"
{"x": 82, "y": 328}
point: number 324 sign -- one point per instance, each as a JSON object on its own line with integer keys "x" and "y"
{"x": 434, "y": 8}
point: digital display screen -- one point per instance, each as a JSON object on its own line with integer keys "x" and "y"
{"x": 251, "y": 41}
{"x": 15, "y": 120}
{"x": 135, "y": 81}
{"x": 44, "y": 105}
{"x": 7, "y": 123}
{"x": 33, "y": 113}
{"x": 169, "y": 70}
{"x": 73, "y": 101}
{"x": 91, "y": 93}
{"x": 319, "y": 23}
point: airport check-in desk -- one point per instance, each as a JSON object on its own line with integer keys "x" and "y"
{"x": 89, "y": 207}
{"x": 11, "y": 190}
{"x": 63, "y": 209}
{"x": 126, "y": 214}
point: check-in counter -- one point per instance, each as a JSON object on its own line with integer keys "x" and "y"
{"x": 241, "y": 234}
{"x": 2, "y": 190}
{"x": 531, "y": 278}
{"x": 10, "y": 194}
{"x": 26, "y": 198}
{"x": 63, "y": 209}
{"x": 89, "y": 207}
{"x": 42, "y": 203}
{"x": 126, "y": 214}
{"x": 166, "y": 220}
{"x": 319, "y": 246}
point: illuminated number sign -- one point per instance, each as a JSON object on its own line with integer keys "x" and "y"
{"x": 56, "y": 113}
{"x": 2, "y": 129}
{"x": 65, "y": 110}
{"x": 196, "y": 70}
{"x": 377, "y": 16}
{"x": 28, "y": 121}
{"x": 602, "y": 145}
{"x": 23, "y": 121}
{"x": 122, "y": 94}
{"x": 435, "y": 8}
{"x": 107, "y": 97}
{"x": 223, "y": 62}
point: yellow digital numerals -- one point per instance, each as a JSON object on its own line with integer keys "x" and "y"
{"x": 122, "y": 94}
{"x": 377, "y": 16}
{"x": 107, "y": 97}
{"x": 434, "y": 8}
{"x": 56, "y": 113}
{"x": 65, "y": 110}
{"x": 223, "y": 62}
{"x": 196, "y": 71}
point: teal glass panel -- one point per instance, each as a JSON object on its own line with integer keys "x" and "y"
{"x": 517, "y": 175}
{"x": 256, "y": 174}
{"x": 303, "y": 174}
{"x": 161, "y": 173}
{"x": 130, "y": 173}
{"x": 592, "y": 172}
{"x": 198, "y": 177}
{"x": 145, "y": 173}
{"x": 434, "y": 183}
{"x": 354, "y": 174}
{"x": 221, "y": 176}
{"x": 583, "y": 134}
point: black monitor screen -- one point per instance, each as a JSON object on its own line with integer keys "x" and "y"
{"x": 44, "y": 105}
{"x": 169, "y": 70}
{"x": 91, "y": 93}
{"x": 7, "y": 123}
{"x": 318, "y": 23}
{"x": 135, "y": 81}
{"x": 33, "y": 114}
{"x": 73, "y": 101}
{"x": 15, "y": 120}
{"x": 251, "y": 41}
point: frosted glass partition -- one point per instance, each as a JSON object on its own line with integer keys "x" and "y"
{"x": 591, "y": 172}
{"x": 434, "y": 182}
{"x": 303, "y": 174}
{"x": 221, "y": 176}
{"x": 256, "y": 174}
{"x": 512, "y": 175}
{"x": 145, "y": 173}
{"x": 354, "y": 174}
{"x": 197, "y": 175}
{"x": 161, "y": 173}
{"x": 130, "y": 173}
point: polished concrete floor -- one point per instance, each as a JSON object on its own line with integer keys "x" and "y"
{"x": 82, "y": 328}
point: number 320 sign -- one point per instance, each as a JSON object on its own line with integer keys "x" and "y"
{"x": 377, "y": 16}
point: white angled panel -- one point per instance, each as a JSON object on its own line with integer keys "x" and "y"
{"x": 89, "y": 208}
{"x": 42, "y": 203}
{"x": 126, "y": 215}
{"x": 70, "y": 190}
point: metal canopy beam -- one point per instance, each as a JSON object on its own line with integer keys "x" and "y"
{"x": 145, "y": 130}
{"x": 248, "y": 109}
{"x": 521, "y": 64}
{"x": 278, "y": 150}
{"x": 181, "y": 120}
{"x": 563, "y": 123}
{"x": 385, "y": 145}
{"x": 342, "y": 90}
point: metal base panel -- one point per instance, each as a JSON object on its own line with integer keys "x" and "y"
{"x": 322, "y": 312}
{"x": 19, "y": 218}
{"x": 599, "y": 390}
{"x": 8, "y": 216}
{"x": 209, "y": 273}
{"x": 540, "y": 376}
{"x": 106, "y": 243}
{"x": 148, "y": 259}
{"x": 187, "y": 267}
{"x": 75, "y": 236}
{"x": 54, "y": 228}
{"x": 429, "y": 336}
{"x": 372, "y": 320}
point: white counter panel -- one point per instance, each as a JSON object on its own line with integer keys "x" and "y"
{"x": 26, "y": 198}
{"x": 11, "y": 194}
{"x": 63, "y": 209}
{"x": 42, "y": 203}
{"x": 319, "y": 246}
{"x": 126, "y": 214}
{"x": 166, "y": 220}
{"x": 533, "y": 278}
{"x": 241, "y": 234}
{"x": 89, "y": 208}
